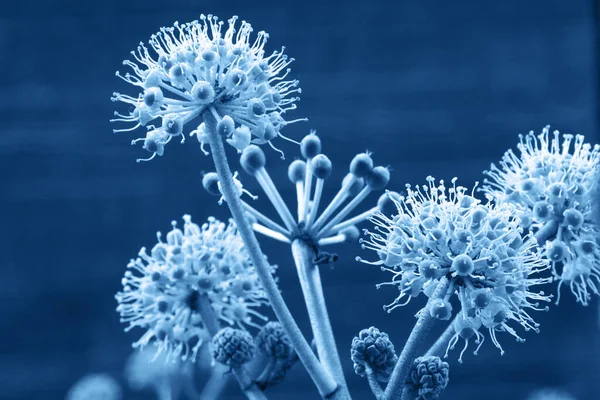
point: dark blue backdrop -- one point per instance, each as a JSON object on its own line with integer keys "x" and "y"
{"x": 429, "y": 87}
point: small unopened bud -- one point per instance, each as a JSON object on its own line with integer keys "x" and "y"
{"x": 428, "y": 377}
{"x": 232, "y": 347}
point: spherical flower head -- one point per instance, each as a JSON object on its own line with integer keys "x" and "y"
{"x": 192, "y": 68}
{"x": 232, "y": 347}
{"x": 373, "y": 352}
{"x": 428, "y": 377}
{"x": 163, "y": 289}
{"x": 272, "y": 341}
{"x": 553, "y": 182}
{"x": 446, "y": 232}
{"x": 95, "y": 387}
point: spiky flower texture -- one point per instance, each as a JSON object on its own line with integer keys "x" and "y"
{"x": 442, "y": 231}
{"x": 199, "y": 66}
{"x": 162, "y": 290}
{"x": 553, "y": 182}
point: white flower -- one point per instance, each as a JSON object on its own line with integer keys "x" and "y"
{"x": 554, "y": 186}
{"x": 446, "y": 232}
{"x": 199, "y": 67}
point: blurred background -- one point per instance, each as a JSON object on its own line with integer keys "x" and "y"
{"x": 430, "y": 88}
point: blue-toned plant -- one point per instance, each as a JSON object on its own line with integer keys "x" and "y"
{"x": 203, "y": 286}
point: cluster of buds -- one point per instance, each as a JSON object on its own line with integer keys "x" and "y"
{"x": 331, "y": 226}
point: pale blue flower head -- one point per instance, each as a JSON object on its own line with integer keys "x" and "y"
{"x": 553, "y": 183}
{"x": 446, "y": 232}
{"x": 200, "y": 66}
{"x": 162, "y": 289}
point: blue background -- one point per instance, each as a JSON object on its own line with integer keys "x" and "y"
{"x": 431, "y": 88}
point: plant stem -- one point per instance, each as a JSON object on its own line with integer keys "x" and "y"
{"x": 548, "y": 230}
{"x": 216, "y": 383}
{"x": 414, "y": 342}
{"x": 323, "y": 381}
{"x": 310, "y": 281}
{"x": 374, "y": 384}
{"x": 407, "y": 394}
{"x": 209, "y": 318}
{"x": 441, "y": 344}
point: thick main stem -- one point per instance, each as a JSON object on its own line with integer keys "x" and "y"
{"x": 209, "y": 318}
{"x": 413, "y": 344}
{"x": 325, "y": 384}
{"x": 310, "y": 281}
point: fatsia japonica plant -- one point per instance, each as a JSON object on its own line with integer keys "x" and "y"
{"x": 483, "y": 258}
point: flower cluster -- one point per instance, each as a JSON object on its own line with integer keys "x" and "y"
{"x": 164, "y": 292}
{"x": 428, "y": 377}
{"x": 446, "y": 232}
{"x": 276, "y": 346}
{"x": 372, "y": 352}
{"x": 552, "y": 183}
{"x": 232, "y": 347}
{"x": 329, "y": 227}
{"x": 198, "y": 67}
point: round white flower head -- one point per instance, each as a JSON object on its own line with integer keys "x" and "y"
{"x": 478, "y": 247}
{"x": 163, "y": 290}
{"x": 553, "y": 185}
{"x": 95, "y": 387}
{"x": 199, "y": 66}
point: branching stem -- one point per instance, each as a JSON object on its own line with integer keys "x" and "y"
{"x": 326, "y": 385}
{"x": 413, "y": 344}
{"x": 310, "y": 281}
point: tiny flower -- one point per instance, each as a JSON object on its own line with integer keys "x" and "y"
{"x": 553, "y": 183}
{"x": 232, "y": 347}
{"x": 162, "y": 289}
{"x": 446, "y": 232}
{"x": 373, "y": 353}
{"x": 317, "y": 227}
{"x": 428, "y": 377}
{"x": 95, "y": 387}
{"x": 198, "y": 67}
